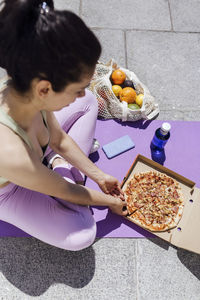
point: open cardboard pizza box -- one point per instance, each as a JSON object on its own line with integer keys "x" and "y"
{"x": 187, "y": 233}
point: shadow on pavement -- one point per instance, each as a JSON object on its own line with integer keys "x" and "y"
{"x": 141, "y": 124}
{"x": 190, "y": 260}
{"x": 33, "y": 266}
{"x": 159, "y": 242}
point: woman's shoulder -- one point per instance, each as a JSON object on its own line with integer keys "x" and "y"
{"x": 3, "y": 86}
{"x": 10, "y": 131}
{"x": 3, "y": 83}
{"x": 7, "y": 138}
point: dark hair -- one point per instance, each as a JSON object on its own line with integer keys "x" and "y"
{"x": 44, "y": 43}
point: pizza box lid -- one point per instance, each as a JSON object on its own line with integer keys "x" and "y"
{"x": 186, "y": 234}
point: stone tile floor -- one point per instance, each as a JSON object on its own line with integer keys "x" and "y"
{"x": 160, "y": 41}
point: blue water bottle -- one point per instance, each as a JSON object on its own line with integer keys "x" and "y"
{"x": 161, "y": 137}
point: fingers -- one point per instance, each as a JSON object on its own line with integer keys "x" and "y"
{"x": 105, "y": 189}
{"x": 113, "y": 188}
{"x": 117, "y": 189}
{"x": 117, "y": 195}
{"x": 120, "y": 212}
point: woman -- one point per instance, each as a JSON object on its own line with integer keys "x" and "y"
{"x": 50, "y": 58}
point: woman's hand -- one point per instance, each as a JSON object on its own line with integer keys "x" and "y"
{"x": 110, "y": 185}
{"x": 119, "y": 207}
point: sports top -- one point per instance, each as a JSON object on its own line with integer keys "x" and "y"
{"x": 10, "y": 122}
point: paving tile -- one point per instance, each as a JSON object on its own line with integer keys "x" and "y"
{"x": 127, "y": 14}
{"x": 115, "y": 258}
{"x": 165, "y": 273}
{"x": 105, "y": 271}
{"x": 185, "y": 15}
{"x": 113, "y": 45}
{"x": 191, "y": 115}
{"x": 171, "y": 115}
{"x": 169, "y": 64}
{"x": 68, "y": 4}
{"x": 35, "y": 267}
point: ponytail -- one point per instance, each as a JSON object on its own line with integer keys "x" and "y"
{"x": 17, "y": 21}
{"x": 37, "y": 41}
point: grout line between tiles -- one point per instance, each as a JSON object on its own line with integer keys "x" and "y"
{"x": 143, "y": 30}
{"x": 136, "y": 269}
{"x": 125, "y": 50}
{"x": 170, "y": 13}
{"x": 80, "y": 8}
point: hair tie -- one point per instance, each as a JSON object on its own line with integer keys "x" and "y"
{"x": 44, "y": 8}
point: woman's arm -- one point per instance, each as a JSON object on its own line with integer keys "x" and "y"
{"x": 22, "y": 166}
{"x": 64, "y": 145}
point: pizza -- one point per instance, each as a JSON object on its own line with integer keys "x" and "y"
{"x": 154, "y": 201}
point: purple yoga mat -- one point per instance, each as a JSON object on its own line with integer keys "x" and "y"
{"x": 182, "y": 153}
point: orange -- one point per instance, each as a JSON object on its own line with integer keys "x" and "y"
{"x": 128, "y": 94}
{"x": 116, "y": 90}
{"x": 118, "y": 76}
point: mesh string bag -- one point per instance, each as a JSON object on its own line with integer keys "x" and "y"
{"x": 109, "y": 106}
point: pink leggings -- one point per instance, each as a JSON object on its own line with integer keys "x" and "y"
{"x": 55, "y": 221}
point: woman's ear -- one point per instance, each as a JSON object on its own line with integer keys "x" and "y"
{"x": 43, "y": 89}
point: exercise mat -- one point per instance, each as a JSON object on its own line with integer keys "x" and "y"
{"x": 182, "y": 155}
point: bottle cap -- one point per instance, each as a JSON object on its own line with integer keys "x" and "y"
{"x": 165, "y": 127}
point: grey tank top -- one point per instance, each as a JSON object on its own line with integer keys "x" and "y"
{"x": 9, "y": 122}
